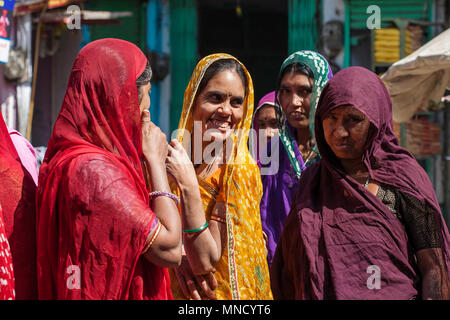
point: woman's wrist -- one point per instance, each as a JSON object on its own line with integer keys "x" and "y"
{"x": 188, "y": 186}
{"x": 154, "y": 160}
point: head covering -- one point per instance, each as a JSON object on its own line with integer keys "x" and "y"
{"x": 248, "y": 276}
{"x": 268, "y": 99}
{"x": 322, "y": 73}
{"x": 337, "y": 228}
{"x": 280, "y": 177}
{"x": 92, "y": 172}
{"x": 17, "y": 199}
{"x": 26, "y": 153}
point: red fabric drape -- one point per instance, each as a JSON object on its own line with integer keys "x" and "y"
{"x": 93, "y": 214}
{"x": 17, "y": 199}
{"x": 6, "y": 266}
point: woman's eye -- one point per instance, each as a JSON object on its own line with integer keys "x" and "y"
{"x": 236, "y": 103}
{"x": 305, "y": 93}
{"x": 356, "y": 119}
{"x": 215, "y": 98}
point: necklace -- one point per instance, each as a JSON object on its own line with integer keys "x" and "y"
{"x": 309, "y": 157}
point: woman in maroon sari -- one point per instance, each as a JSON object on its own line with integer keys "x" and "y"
{"x": 99, "y": 235}
{"x": 366, "y": 224}
{"x": 17, "y": 210}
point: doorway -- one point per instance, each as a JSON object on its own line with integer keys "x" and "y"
{"x": 254, "y": 31}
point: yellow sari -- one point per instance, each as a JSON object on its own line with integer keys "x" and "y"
{"x": 242, "y": 272}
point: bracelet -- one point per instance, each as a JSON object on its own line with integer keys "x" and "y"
{"x": 218, "y": 219}
{"x": 155, "y": 194}
{"x": 198, "y": 229}
{"x": 149, "y": 244}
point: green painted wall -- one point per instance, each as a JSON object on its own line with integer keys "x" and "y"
{"x": 132, "y": 28}
{"x": 302, "y": 25}
{"x": 184, "y": 56}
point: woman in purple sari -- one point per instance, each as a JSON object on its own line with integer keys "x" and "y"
{"x": 301, "y": 79}
{"x": 365, "y": 223}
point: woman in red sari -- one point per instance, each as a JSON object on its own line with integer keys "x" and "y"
{"x": 17, "y": 212}
{"x": 6, "y": 266}
{"x": 99, "y": 234}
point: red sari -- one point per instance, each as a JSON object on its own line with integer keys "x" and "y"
{"x": 93, "y": 214}
{"x": 6, "y": 266}
{"x": 17, "y": 200}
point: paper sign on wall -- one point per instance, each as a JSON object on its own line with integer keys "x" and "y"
{"x": 6, "y": 17}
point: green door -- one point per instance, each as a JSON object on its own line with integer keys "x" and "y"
{"x": 302, "y": 25}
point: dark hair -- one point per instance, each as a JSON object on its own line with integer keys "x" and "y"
{"x": 219, "y": 66}
{"x": 295, "y": 68}
{"x": 143, "y": 79}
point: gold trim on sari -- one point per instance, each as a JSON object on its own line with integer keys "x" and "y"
{"x": 243, "y": 271}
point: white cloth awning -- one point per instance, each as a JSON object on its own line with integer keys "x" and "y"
{"x": 419, "y": 78}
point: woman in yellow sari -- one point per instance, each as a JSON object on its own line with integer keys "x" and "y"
{"x": 220, "y": 187}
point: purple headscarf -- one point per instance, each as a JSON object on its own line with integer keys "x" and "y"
{"x": 338, "y": 232}
{"x": 268, "y": 99}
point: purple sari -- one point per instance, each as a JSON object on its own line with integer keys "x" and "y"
{"x": 338, "y": 232}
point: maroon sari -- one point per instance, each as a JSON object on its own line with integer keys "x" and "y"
{"x": 338, "y": 233}
{"x": 93, "y": 209}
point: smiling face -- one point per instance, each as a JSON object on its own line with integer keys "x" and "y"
{"x": 346, "y": 129}
{"x": 295, "y": 98}
{"x": 220, "y": 105}
{"x": 266, "y": 119}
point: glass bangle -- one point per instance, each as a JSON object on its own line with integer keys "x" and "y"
{"x": 197, "y": 230}
{"x": 155, "y": 194}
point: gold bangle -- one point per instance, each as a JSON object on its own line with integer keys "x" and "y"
{"x": 149, "y": 244}
{"x": 218, "y": 219}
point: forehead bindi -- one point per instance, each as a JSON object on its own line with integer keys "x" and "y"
{"x": 227, "y": 83}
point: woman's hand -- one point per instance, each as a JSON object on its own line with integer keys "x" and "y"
{"x": 180, "y": 167}
{"x": 189, "y": 283}
{"x": 435, "y": 282}
{"x": 154, "y": 141}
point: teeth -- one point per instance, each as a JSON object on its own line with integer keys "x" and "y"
{"x": 221, "y": 124}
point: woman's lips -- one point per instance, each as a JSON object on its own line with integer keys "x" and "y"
{"x": 222, "y": 126}
{"x": 297, "y": 115}
{"x": 343, "y": 146}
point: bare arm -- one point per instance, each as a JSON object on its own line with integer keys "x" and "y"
{"x": 165, "y": 250}
{"x": 204, "y": 249}
{"x": 435, "y": 282}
